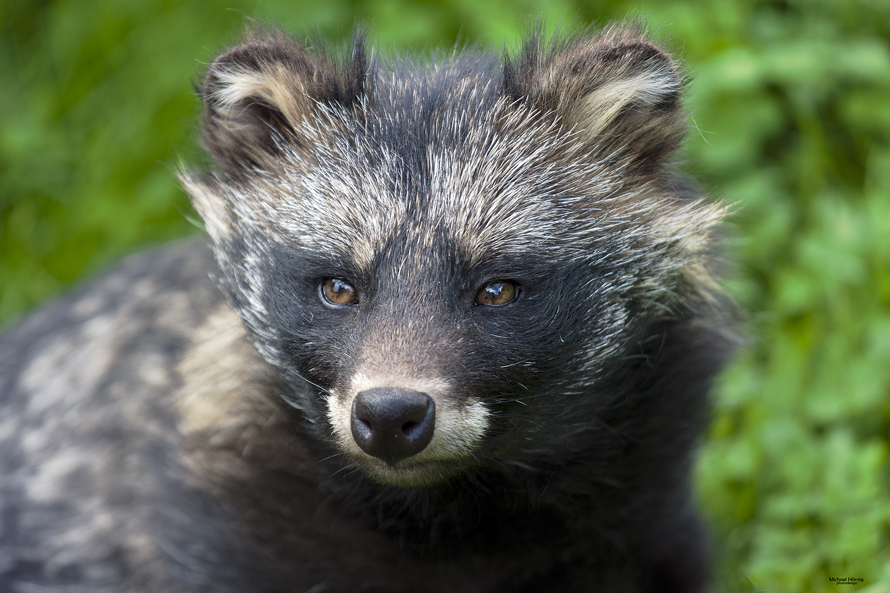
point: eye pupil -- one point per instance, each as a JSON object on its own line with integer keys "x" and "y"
{"x": 339, "y": 292}
{"x": 497, "y": 294}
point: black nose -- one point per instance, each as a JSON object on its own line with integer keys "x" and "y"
{"x": 392, "y": 423}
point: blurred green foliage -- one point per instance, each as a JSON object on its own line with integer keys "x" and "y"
{"x": 791, "y": 104}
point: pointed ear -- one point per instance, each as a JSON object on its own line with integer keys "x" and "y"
{"x": 257, "y": 94}
{"x": 619, "y": 91}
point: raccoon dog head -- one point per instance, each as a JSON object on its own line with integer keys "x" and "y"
{"x": 443, "y": 261}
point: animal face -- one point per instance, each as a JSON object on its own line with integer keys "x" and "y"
{"x": 449, "y": 259}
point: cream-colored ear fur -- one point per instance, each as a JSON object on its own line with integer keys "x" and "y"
{"x": 618, "y": 90}
{"x": 257, "y": 95}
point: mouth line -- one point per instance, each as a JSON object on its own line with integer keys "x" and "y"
{"x": 410, "y": 473}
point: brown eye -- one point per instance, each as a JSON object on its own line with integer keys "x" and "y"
{"x": 497, "y": 294}
{"x": 339, "y": 292}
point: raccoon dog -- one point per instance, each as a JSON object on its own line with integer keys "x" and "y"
{"x": 454, "y": 332}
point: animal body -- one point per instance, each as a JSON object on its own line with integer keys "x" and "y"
{"x": 454, "y": 331}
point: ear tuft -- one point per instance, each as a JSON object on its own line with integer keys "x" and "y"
{"x": 619, "y": 91}
{"x": 257, "y": 94}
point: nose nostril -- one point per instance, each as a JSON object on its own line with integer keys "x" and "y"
{"x": 392, "y": 423}
{"x": 361, "y": 427}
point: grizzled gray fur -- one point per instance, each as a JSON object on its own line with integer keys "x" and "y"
{"x": 454, "y": 332}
